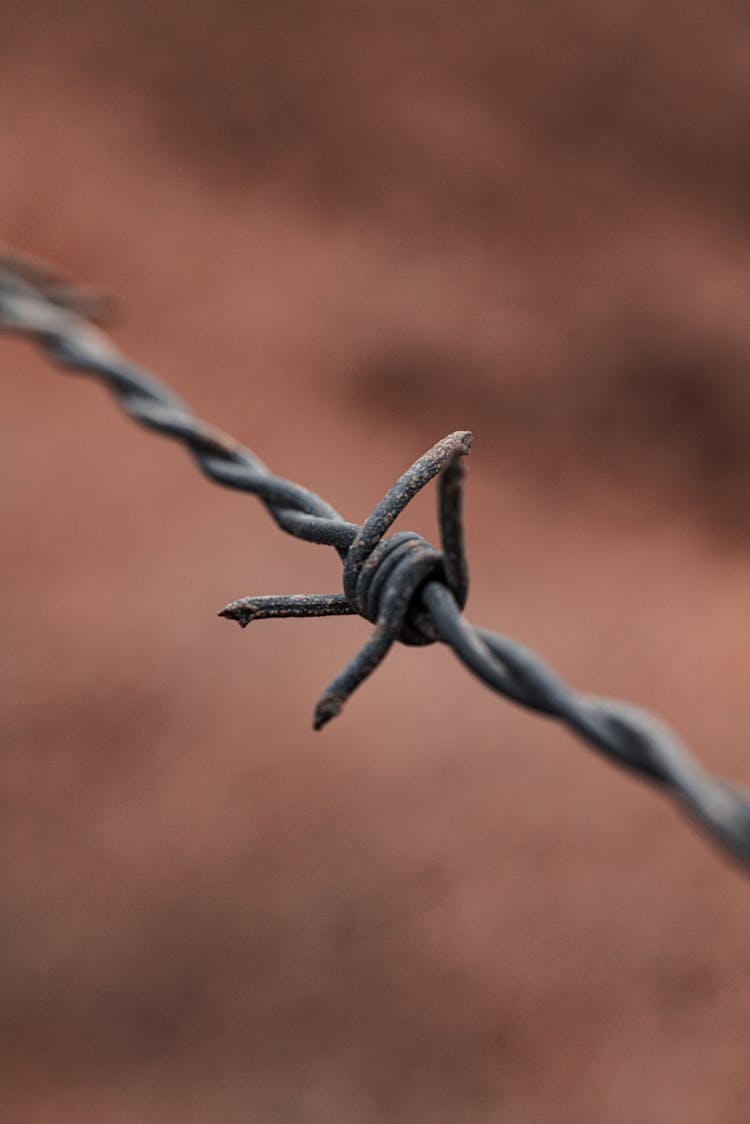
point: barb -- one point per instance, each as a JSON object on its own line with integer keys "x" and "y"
{"x": 408, "y": 589}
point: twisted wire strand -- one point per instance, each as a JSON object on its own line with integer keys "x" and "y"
{"x": 409, "y": 590}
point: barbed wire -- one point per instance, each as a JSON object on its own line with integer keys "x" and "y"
{"x": 408, "y": 589}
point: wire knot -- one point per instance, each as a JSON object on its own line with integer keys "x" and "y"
{"x": 387, "y": 584}
{"x": 386, "y": 575}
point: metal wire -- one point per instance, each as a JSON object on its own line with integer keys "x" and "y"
{"x": 409, "y": 590}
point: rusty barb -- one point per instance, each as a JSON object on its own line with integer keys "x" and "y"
{"x": 385, "y": 577}
{"x": 406, "y": 588}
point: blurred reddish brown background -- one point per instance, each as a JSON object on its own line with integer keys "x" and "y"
{"x": 341, "y": 230}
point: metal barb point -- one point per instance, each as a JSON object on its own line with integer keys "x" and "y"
{"x": 383, "y": 574}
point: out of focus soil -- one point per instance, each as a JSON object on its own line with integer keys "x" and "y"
{"x": 341, "y": 230}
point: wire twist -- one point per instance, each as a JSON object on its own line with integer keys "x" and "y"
{"x": 409, "y": 590}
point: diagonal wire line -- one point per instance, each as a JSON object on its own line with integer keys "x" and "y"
{"x": 408, "y": 589}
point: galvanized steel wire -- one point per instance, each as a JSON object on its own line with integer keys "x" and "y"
{"x": 408, "y": 589}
